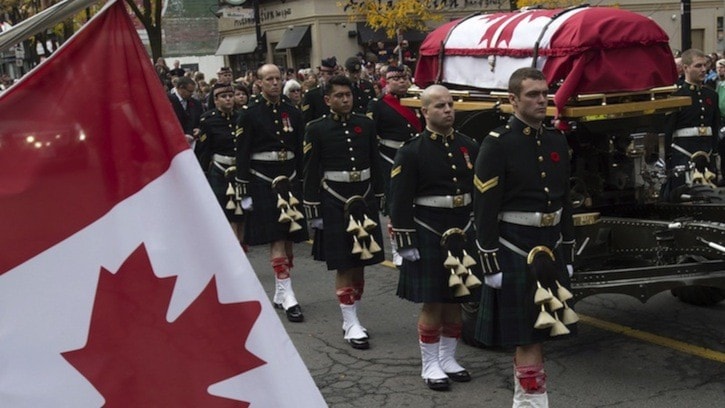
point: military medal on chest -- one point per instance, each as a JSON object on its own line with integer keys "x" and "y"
{"x": 286, "y": 122}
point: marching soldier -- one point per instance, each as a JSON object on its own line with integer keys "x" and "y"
{"x": 431, "y": 209}
{"x": 216, "y": 150}
{"x": 525, "y": 235}
{"x": 692, "y": 132}
{"x": 394, "y": 122}
{"x": 342, "y": 188}
{"x": 362, "y": 89}
{"x": 313, "y": 103}
{"x": 269, "y": 166}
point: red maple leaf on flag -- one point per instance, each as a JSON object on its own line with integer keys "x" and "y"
{"x": 511, "y": 21}
{"x": 135, "y": 358}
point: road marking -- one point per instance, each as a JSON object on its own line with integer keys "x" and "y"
{"x": 683, "y": 347}
{"x": 654, "y": 339}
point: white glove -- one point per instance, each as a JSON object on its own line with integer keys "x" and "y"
{"x": 410, "y": 254}
{"x": 570, "y": 269}
{"x": 494, "y": 280}
{"x": 316, "y": 223}
{"x": 247, "y": 203}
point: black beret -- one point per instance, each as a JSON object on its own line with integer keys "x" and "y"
{"x": 329, "y": 63}
{"x": 353, "y": 64}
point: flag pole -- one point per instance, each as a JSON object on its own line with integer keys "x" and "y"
{"x": 41, "y": 21}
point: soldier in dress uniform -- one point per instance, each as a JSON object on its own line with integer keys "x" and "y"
{"x": 313, "y": 103}
{"x": 269, "y": 167}
{"x": 431, "y": 209}
{"x": 394, "y": 122}
{"x": 694, "y": 128}
{"x": 342, "y": 189}
{"x": 362, "y": 89}
{"x": 216, "y": 150}
{"x": 525, "y": 232}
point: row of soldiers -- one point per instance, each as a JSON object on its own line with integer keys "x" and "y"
{"x": 272, "y": 172}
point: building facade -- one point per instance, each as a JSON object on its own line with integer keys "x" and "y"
{"x": 300, "y": 33}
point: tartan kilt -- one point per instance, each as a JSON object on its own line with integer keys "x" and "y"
{"x": 507, "y": 315}
{"x": 333, "y": 244}
{"x": 426, "y": 280}
{"x": 386, "y": 167}
{"x": 219, "y": 185}
{"x": 261, "y": 225}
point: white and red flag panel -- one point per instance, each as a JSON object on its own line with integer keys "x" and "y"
{"x": 121, "y": 283}
{"x": 582, "y": 50}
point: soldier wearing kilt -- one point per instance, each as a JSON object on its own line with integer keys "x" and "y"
{"x": 216, "y": 151}
{"x": 430, "y": 209}
{"x": 342, "y": 187}
{"x": 394, "y": 122}
{"x": 522, "y": 209}
{"x": 269, "y": 167}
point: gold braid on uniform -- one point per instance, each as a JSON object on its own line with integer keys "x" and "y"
{"x": 312, "y": 209}
{"x": 489, "y": 260}
{"x": 405, "y": 238}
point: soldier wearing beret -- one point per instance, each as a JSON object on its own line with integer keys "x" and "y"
{"x": 525, "y": 231}
{"x": 269, "y": 167}
{"x": 394, "y": 122}
{"x": 692, "y": 129}
{"x": 342, "y": 188}
{"x": 430, "y": 209}
{"x": 216, "y": 150}
{"x": 362, "y": 89}
{"x": 224, "y": 77}
{"x": 313, "y": 103}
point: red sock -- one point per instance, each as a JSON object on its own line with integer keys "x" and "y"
{"x": 532, "y": 378}
{"x": 451, "y": 330}
{"x": 359, "y": 287}
{"x": 429, "y": 334}
{"x": 346, "y": 295}
{"x": 281, "y": 267}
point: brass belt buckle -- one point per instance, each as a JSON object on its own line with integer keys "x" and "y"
{"x": 458, "y": 201}
{"x": 547, "y": 220}
{"x": 702, "y": 131}
{"x": 354, "y": 176}
{"x": 282, "y": 155}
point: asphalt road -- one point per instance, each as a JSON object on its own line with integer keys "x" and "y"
{"x": 627, "y": 354}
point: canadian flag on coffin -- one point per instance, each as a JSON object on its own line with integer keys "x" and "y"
{"x": 121, "y": 284}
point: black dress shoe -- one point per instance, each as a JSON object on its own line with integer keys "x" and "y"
{"x": 294, "y": 313}
{"x": 437, "y": 384}
{"x": 360, "y": 344}
{"x": 367, "y": 335}
{"x": 461, "y": 376}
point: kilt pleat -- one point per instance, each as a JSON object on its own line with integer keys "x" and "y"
{"x": 426, "y": 280}
{"x": 261, "y": 225}
{"x": 507, "y": 315}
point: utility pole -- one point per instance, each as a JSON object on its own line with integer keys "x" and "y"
{"x": 685, "y": 26}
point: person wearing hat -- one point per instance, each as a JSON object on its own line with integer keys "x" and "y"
{"x": 362, "y": 89}
{"x": 394, "y": 122}
{"x": 525, "y": 236}
{"x": 313, "y": 103}
{"x": 215, "y": 150}
{"x": 269, "y": 167}
{"x": 430, "y": 209}
{"x": 224, "y": 77}
{"x": 342, "y": 188}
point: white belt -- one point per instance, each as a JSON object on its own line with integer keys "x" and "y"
{"x": 281, "y": 155}
{"x": 447, "y": 201}
{"x": 693, "y": 131}
{"x": 348, "y": 176}
{"x": 531, "y": 219}
{"x": 228, "y": 160}
{"x": 393, "y": 144}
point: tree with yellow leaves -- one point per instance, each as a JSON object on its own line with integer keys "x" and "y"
{"x": 549, "y": 4}
{"x": 393, "y": 16}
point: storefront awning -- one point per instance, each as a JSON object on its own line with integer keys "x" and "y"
{"x": 237, "y": 44}
{"x": 295, "y": 37}
{"x": 365, "y": 35}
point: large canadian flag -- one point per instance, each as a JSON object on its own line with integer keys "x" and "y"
{"x": 121, "y": 283}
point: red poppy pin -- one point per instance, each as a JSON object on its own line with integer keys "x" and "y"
{"x": 285, "y": 115}
{"x": 708, "y": 101}
{"x": 357, "y": 129}
{"x": 555, "y": 157}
